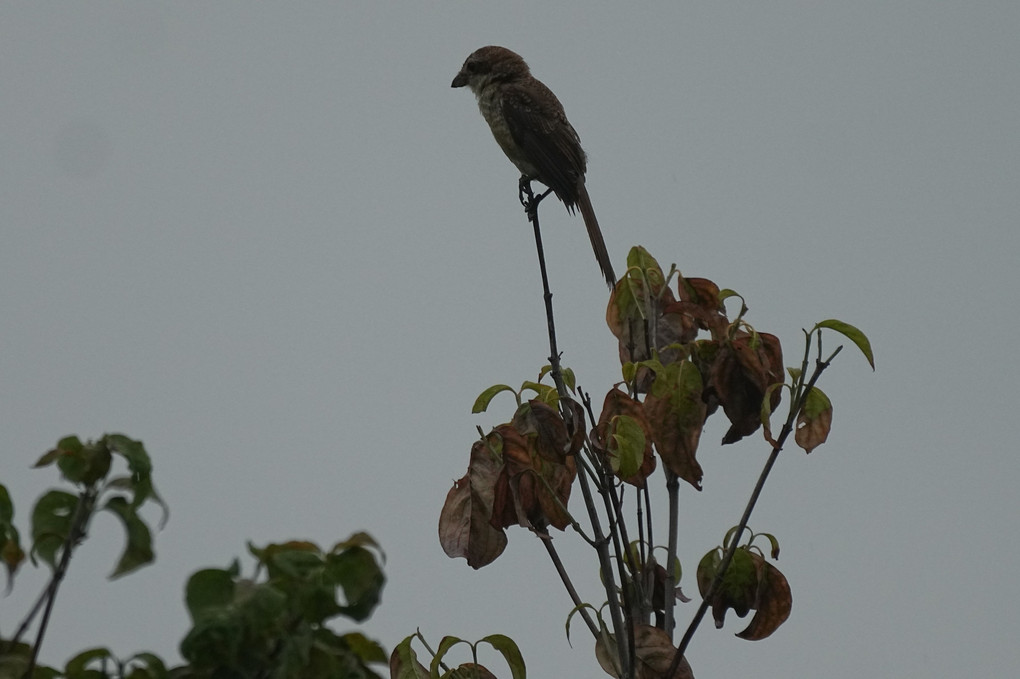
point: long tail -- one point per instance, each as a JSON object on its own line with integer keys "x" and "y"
{"x": 594, "y": 233}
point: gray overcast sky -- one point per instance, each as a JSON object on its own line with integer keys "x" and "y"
{"x": 272, "y": 243}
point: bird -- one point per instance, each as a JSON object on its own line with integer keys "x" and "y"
{"x": 529, "y": 124}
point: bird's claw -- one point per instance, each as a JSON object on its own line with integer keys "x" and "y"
{"x": 527, "y": 197}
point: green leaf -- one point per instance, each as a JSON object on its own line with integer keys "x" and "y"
{"x": 630, "y": 446}
{"x": 11, "y": 553}
{"x": 642, "y": 259}
{"x": 404, "y": 662}
{"x": 766, "y": 411}
{"x": 261, "y": 606}
{"x": 68, "y": 444}
{"x": 358, "y": 574}
{"x": 511, "y": 653}
{"x": 482, "y": 402}
{"x": 359, "y": 539}
{"x": 73, "y": 466}
{"x": 14, "y": 659}
{"x": 677, "y": 412}
{"x": 445, "y": 644}
{"x": 642, "y": 284}
{"x": 569, "y": 379}
{"x": 216, "y": 640}
{"x": 132, "y": 451}
{"x": 574, "y": 610}
{"x": 138, "y": 550}
{"x": 739, "y": 582}
{"x": 855, "y": 335}
{"x": 140, "y": 465}
{"x": 6, "y": 505}
{"x": 774, "y": 543}
{"x": 78, "y": 664}
{"x": 78, "y": 463}
{"x": 88, "y": 466}
{"x": 726, "y": 293}
{"x": 741, "y": 571}
{"x": 51, "y": 524}
{"x": 661, "y": 373}
{"x": 153, "y": 666}
{"x": 207, "y": 591}
{"x": 45, "y": 672}
{"x": 295, "y": 563}
{"x": 546, "y": 393}
{"x": 731, "y": 534}
{"x": 47, "y": 458}
{"x": 300, "y": 570}
{"x": 367, "y": 649}
{"x": 815, "y": 403}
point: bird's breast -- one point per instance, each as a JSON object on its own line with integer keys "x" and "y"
{"x": 491, "y": 106}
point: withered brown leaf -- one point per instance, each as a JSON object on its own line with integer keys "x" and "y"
{"x": 464, "y": 523}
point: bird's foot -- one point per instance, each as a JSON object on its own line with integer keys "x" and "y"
{"x": 527, "y": 197}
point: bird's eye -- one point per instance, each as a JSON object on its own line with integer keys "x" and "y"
{"x": 475, "y": 67}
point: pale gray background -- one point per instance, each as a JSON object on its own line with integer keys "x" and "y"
{"x": 271, "y": 242}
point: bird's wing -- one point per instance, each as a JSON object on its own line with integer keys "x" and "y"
{"x": 541, "y": 129}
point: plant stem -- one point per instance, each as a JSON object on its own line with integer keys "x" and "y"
{"x": 669, "y": 600}
{"x": 76, "y": 533}
{"x": 578, "y": 604}
{"x": 531, "y": 202}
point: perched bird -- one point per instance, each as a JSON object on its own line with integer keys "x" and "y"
{"x": 530, "y": 126}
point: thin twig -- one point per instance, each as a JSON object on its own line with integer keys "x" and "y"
{"x": 578, "y": 604}
{"x": 531, "y": 202}
{"x": 612, "y": 505}
{"x": 76, "y": 533}
{"x": 531, "y": 206}
{"x": 669, "y": 599}
{"x": 425, "y": 643}
{"x": 648, "y": 556}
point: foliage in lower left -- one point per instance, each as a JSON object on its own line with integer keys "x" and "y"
{"x": 272, "y": 624}
{"x": 276, "y": 625}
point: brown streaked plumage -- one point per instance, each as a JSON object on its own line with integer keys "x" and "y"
{"x": 530, "y": 126}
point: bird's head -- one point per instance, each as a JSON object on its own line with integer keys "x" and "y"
{"x": 488, "y": 65}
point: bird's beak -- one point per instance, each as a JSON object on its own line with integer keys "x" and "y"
{"x": 460, "y": 80}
